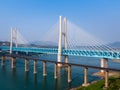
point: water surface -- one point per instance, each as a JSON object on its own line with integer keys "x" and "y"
{"x": 18, "y": 79}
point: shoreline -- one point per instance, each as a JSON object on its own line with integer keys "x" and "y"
{"x": 111, "y": 74}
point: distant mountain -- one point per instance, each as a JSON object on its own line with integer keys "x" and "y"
{"x": 115, "y": 44}
{"x": 43, "y": 43}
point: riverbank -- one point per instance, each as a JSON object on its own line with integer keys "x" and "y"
{"x": 114, "y": 83}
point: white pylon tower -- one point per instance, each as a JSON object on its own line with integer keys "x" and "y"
{"x": 11, "y": 40}
{"x": 65, "y": 38}
{"x": 13, "y": 37}
{"x": 60, "y": 40}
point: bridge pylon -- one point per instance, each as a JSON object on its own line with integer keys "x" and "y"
{"x": 60, "y": 40}
{"x": 13, "y": 37}
{"x": 65, "y": 38}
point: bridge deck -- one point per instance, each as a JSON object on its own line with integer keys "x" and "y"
{"x": 114, "y": 54}
{"x": 72, "y": 64}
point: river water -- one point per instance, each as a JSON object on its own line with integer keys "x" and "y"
{"x": 18, "y": 79}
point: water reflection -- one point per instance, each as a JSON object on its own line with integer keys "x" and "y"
{"x": 69, "y": 85}
{"x": 26, "y": 76}
{"x": 3, "y": 70}
{"x": 44, "y": 83}
{"x": 55, "y": 84}
{"x": 35, "y": 79}
{"x": 13, "y": 72}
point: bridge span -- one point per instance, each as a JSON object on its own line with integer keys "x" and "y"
{"x": 114, "y": 54}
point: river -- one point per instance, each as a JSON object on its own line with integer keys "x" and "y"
{"x": 18, "y": 79}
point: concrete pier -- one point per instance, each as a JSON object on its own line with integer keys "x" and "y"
{"x": 13, "y": 62}
{"x": 3, "y": 61}
{"x": 106, "y": 78}
{"x": 85, "y": 77}
{"x": 44, "y": 69}
{"x": 66, "y": 59}
{"x": 26, "y": 65}
{"x": 104, "y": 63}
{"x": 35, "y": 66}
{"x": 69, "y": 73}
{"x": 55, "y": 71}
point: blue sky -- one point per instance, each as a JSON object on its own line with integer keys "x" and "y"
{"x": 35, "y": 17}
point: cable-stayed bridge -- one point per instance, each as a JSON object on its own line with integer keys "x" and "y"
{"x": 70, "y": 41}
{"x": 79, "y": 44}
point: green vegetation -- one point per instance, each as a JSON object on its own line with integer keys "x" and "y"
{"x": 114, "y": 84}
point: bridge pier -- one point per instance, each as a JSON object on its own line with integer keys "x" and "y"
{"x": 26, "y": 65}
{"x": 13, "y": 63}
{"x": 104, "y": 63}
{"x": 106, "y": 78}
{"x": 35, "y": 67}
{"x": 85, "y": 77}
{"x": 55, "y": 71}
{"x": 3, "y": 61}
{"x": 66, "y": 59}
{"x": 69, "y": 74}
{"x": 44, "y": 69}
